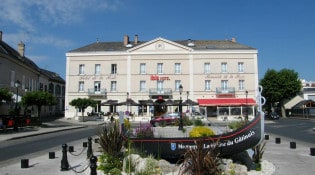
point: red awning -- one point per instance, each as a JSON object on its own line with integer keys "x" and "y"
{"x": 226, "y": 102}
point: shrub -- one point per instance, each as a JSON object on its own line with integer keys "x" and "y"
{"x": 111, "y": 139}
{"x": 236, "y": 124}
{"x": 109, "y": 163}
{"x": 144, "y": 131}
{"x": 201, "y": 161}
{"x": 198, "y": 122}
{"x": 127, "y": 124}
{"x": 201, "y": 131}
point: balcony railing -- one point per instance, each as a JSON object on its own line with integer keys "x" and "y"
{"x": 225, "y": 92}
{"x": 95, "y": 92}
{"x": 155, "y": 93}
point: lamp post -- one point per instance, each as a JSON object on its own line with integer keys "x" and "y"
{"x": 246, "y": 116}
{"x": 180, "y": 127}
{"x": 16, "y": 84}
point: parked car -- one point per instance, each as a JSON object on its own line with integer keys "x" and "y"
{"x": 165, "y": 119}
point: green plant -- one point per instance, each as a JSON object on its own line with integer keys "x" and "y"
{"x": 109, "y": 162}
{"x": 201, "y": 161}
{"x": 201, "y": 131}
{"x": 129, "y": 166}
{"x": 198, "y": 122}
{"x": 115, "y": 171}
{"x": 111, "y": 139}
{"x": 258, "y": 153}
{"x": 236, "y": 124}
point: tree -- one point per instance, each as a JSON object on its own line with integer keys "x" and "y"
{"x": 5, "y": 95}
{"x": 82, "y": 104}
{"x": 280, "y": 86}
{"x": 39, "y": 99}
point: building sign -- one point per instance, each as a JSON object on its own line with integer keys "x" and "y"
{"x": 159, "y": 78}
{"x": 227, "y": 76}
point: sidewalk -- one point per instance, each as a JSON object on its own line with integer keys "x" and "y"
{"x": 285, "y": 159}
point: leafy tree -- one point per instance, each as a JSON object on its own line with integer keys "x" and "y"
{"x": 39, "y": 99}
{"x": 82, "y": 104}
{"x": 5, "y": 95}
{"x": 280, "y": 86}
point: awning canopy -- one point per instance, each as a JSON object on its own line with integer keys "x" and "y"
{"x": 226, "y": 102}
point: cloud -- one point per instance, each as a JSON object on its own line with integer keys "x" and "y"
{"x": 27, "y": 13}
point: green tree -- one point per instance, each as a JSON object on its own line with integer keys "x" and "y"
{"x": 82, "y": 104}
{"x": 280, "y": 86}
{"x": 5, "y": 95}
{"x": 38, "y": 99}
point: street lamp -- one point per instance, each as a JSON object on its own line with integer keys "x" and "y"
{"x": 180, "y": 127}
{"x": 16, "y": 84}
{"x": 246, "y": 116}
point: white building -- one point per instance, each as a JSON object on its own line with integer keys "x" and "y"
{"x": 209, "y": 71}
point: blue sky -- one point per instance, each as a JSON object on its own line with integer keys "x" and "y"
{"x": 282, "y": 31}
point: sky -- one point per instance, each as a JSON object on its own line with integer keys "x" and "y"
{"x": 282, "y": 31}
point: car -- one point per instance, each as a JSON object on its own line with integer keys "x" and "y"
{"x": 165, "y": 119}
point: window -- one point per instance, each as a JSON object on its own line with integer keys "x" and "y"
{"x": 97, "y": 86}
{"x": 142, "y": 68}
{"x": 224, "y": 85}
{"x": 177, "y": 68}
{"x": 81, "y": 86}
{"x": 81, "y": 69}
{"x": 223, "y": 67}
{"x": 160, "y": 68}
{"x": 114, "y": 69}
{"x": 142, "y": 86}
{"x": 241, "y": 84}
{"x": 177, "y": 83}
{"x": 97, "y": 69}
{"x": 113, "y": 86}
{"x": 240, "y": 67}
{"x": 160, "y": 85}
{"x": 207, "y": 85}
{"x": 207, "y": 68}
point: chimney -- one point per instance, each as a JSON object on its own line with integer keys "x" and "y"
{"x": 126, "y": 40}
{"x": 0, "y": 35}
{"x": 21, "y": 48}
{"x": 233, "y": 40}
{"x": 136, "y": 39}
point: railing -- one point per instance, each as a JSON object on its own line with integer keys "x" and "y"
{"x": 93, "y": 92}
{"x": 229, "y": 90}
{"x": 155, "y": 93}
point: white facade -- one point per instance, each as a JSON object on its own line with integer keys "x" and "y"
{"x": 153, "y": 69}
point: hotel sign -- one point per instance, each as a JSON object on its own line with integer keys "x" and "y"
{"x": 159, "y": 78}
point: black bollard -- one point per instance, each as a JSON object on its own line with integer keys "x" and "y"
{"x": 24, "y": 163}
{"x": 51, "y": 155}
{"x": 71, "y": 149}
{"x": 64, "y": 160}
{"x": 266, "y": 137}
{"x": 278, "y": 140}
{"x": 96, "y": 140}
{"x": 89, "y": 151}
{"x": 84, "y": 144}
{"x": 312, "y": 151}
{"x": 93, "y": 165}
{"x": 292, "y": 145}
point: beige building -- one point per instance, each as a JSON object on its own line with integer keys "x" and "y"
{"x": 207, "y": 70}
{"x": 20, "y": 75}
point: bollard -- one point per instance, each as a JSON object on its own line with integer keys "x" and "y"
{"x": 278, "y": 140}
{"x": 292, "y": 145}
{"x": 51, "y": 155}
{"x": 312, "y": 151}
{"x": 266, "y": 137}
{"x": 93, "y": 165}
{"x": 64, "y": 160}
{"x": 84, "y": 144}
{"x": 71, "y": 149}
{"x": 24, "y": 163}
{"x": 89, "y": 151}
{"x": 96, "y": 140}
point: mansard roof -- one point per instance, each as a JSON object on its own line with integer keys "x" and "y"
{"x": 194, "y": 44}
